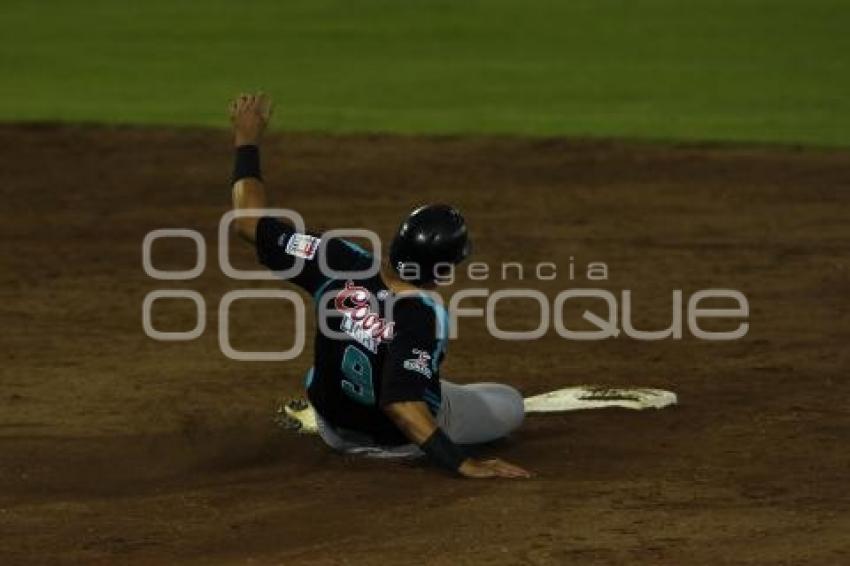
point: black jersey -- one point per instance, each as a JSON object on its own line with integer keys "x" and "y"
{"x": 376, "y": 348}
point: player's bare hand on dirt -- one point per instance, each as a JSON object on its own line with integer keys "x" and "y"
{"x": 495, "y": 468}
{"x": 250, "y": 114}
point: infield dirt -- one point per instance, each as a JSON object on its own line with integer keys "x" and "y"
{"x": 115, "y": 448}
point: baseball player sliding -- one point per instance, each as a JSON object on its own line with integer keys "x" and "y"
{"x": 375, "y": 384}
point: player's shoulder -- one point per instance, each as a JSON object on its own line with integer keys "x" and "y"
{"x": 344, "y": 255}
{"x": 414, "y": 302}
{"x": 344, "y": 246}
{"x": 418, "y": 308}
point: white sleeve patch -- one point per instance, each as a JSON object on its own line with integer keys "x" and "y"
{"x": 303, "y": 246}
{"x": 420, "y": 364}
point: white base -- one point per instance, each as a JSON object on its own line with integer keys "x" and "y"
{"x": 596, "y": 397}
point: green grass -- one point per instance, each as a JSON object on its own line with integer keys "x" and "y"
{"x": 738, "y": 70}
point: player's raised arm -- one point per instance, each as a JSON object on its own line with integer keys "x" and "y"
{"x": 250, "y": 115}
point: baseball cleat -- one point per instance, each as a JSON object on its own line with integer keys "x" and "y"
{"x": 297, "y": 415}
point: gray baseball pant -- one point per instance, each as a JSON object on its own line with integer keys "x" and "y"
{"x": 469, "y": 414}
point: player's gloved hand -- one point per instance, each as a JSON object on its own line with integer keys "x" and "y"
{"x": 250, "y": 114}
{"x": 495, "y": 468}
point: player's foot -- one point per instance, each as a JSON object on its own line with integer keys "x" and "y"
{"x": 296, "y": 415}
{"x": 282, "y": 419}
{"x": 298, "y": 404}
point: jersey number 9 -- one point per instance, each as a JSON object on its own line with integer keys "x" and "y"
{"x": 357, "y": 370}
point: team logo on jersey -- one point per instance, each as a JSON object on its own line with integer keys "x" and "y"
{"x": 302, "y": 245}
{"x": 420, "y": 364}
{"x": 358, "y": 321}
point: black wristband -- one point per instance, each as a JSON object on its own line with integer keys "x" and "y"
{"x": 443, "y": 451}
{"x": 247, "y": 163}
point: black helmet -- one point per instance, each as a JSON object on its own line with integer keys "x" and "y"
{"x": 431, "y": 235}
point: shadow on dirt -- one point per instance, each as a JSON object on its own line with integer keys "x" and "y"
{"x": 103, "y": 465}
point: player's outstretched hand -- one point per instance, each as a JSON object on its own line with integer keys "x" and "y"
{"x": 480, "y": 469}
{"x": 250, "y": 114}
